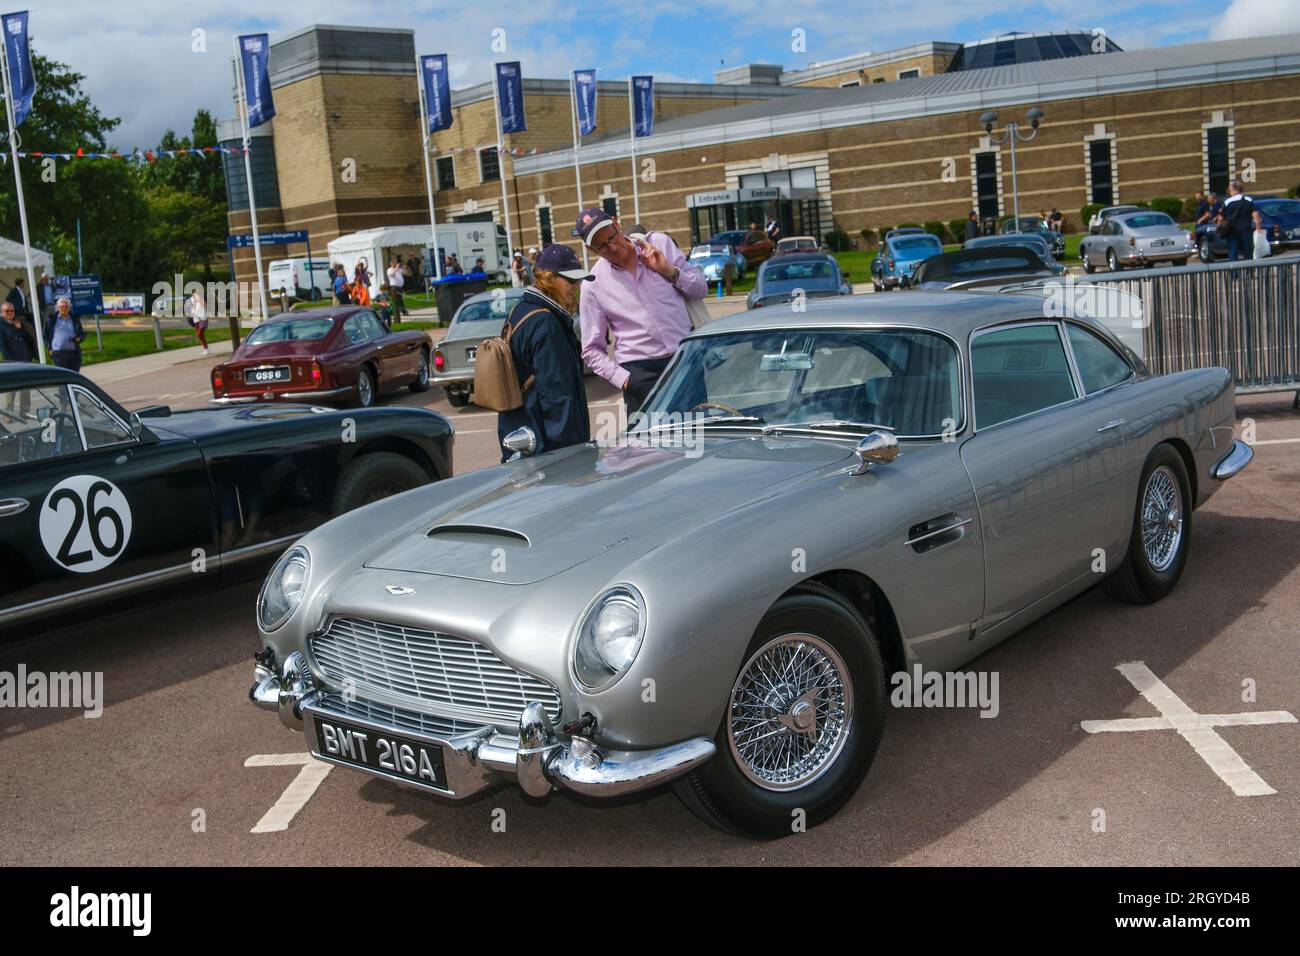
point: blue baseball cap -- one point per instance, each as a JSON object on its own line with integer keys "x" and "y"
{"x": 590, "y": 221}
{"x": 562, "y": 259}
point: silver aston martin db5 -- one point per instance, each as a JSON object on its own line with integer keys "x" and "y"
{"x": 718, "y": 597}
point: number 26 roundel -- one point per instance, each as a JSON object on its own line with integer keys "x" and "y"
{"x": 85, "y": 523}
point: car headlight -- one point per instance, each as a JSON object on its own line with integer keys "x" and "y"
{"x": 284, "y": 587}
{"x": 609, "y": 637}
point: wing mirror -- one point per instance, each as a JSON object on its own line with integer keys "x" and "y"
{"x": 878, "y": 446}
{"x": 521, "y": 441}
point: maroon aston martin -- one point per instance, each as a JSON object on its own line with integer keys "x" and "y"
{"x": 341, "y": 354}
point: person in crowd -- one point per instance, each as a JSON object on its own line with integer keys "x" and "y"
{"x": 545, "y": 353}
{"x": 531, "y": 262}
{"x": 362, "y": 274}
{"x": 47, "y": 297}
{"x": 480, "y": 265}
{"x": 17, "y": 297}
{"x": 63, "y": 336}
{"x": 1055, "y": 221}
{"x": 754, "y": 234}
{"x": 639, "y": 293}
{"x": 772, "y": 230}
{"x": 341, "y": 294}
{"x": 17, "y": 338}
{"x": 1242, "y": 220}
{"x": 1201, "y": 213}
{"x": 972, "y": 226}
{"x": 518, "y": 271}
{"x": 453, "y": 267}
{"x": 396, "y": 288}
{"x": 197, "y": 314}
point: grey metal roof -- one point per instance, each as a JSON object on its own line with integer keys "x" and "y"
{"x": 969, "y": 90}
{"x": 954, "y": 313}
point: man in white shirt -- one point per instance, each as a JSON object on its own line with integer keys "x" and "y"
{"x": 396, "y": 280}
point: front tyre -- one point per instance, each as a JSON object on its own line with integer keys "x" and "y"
{"x": 1162, "y": 531}
{"x": 421, "y": 383}
{"x": 374, "y": 477}
{"x": 802, "y": 723}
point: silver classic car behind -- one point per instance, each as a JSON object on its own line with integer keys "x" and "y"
{"x": 717, "y": 599}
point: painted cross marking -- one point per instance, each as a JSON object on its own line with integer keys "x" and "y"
{"x": 1196, "y": 729}
{"x": 295, "y": 795}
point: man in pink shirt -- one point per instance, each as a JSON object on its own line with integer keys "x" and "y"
{"x": 639, "y": 294}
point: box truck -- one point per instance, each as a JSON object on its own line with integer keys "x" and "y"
{"x": 291, "y": 277}
{"x": 466, "y": 241}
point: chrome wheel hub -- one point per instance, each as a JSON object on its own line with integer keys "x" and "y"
{"x": 1162, "y": 518}
{"x": 790, "y": 713}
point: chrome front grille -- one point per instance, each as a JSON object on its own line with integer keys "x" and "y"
{"x": 455, "y": 675}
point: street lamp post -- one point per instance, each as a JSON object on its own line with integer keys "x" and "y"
{"x": 1009, "y": 135}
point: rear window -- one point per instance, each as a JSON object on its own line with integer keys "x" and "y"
{"x": 498, "y": 309}
{"x": 796, "y": 271}
{"x": 290, "y": 330}
{"x": 1148, "y": 220}
{"x": 915, "y": 244}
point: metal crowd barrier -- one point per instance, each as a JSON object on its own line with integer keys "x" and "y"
{"x": 1244, "y": 316}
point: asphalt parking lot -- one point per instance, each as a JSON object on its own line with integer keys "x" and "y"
{"x": 181, "y": 769}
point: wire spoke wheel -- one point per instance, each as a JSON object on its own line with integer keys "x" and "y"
{"x": 1162, "y": 518}
{"x": 791, "y": 711}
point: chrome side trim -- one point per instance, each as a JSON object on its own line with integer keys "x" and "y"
{"x": 137, "y": 582}
{"x": 1114, "y": 423}
{"x": 1237, "y": 458}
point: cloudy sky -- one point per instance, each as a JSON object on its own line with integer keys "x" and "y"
{"x": 140, "y": 63}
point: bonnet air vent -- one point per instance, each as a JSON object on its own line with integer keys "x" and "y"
{"x": 467, "y": 533}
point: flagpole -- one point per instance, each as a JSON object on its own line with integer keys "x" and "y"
{"x": 577, "y": 170}
{"x": 428, "y": 172}
{"x": 501, "y": 167}
{"x": 22, "y": 209}
{"x": 631, "y": 129}
{"x": 248, "y": 175}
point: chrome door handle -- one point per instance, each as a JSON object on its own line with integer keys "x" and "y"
{"x": 912, "y": 542}
{"x": 1111, "y": 424}
{"x": 12, "y": 506}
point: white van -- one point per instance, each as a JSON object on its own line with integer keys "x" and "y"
{"x": 467, "y": 241}
{"x": 290, "y": 277}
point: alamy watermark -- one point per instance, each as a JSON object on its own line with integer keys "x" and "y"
{"x": 941, "y": 689}
{"x": 1103, "y": 301}
{"x": 75, "y": 690}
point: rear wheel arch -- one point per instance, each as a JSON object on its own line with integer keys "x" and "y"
{"x": 398, "y": 446}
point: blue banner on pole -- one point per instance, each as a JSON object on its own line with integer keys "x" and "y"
{"x": 643, "y": 105}
{"x": 254, "y": 52}
{"x": 510, "y": 97}
{"x": 21, "y": 79}
{"x": 437, "y": 91}
{"x": 83, "y": 291}
{"x": 584, "y": 87}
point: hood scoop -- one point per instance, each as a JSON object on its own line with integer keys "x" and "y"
{"x": 478, "y": 534}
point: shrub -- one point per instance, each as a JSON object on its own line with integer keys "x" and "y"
{"x": 1293, "y": 192}
{"x": 1171, "y": 206}
{"x": 884, "y": 231}
{"x": 838, "y": 240}
{"x": 1087, "y": 212}
{"x": 868, "y": 237}
{"x": 957, "y": 227}
{"x": 909, "y": 225}
{"x": 937, "y": 229}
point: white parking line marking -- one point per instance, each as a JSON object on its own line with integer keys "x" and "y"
{"x": 295, "y": 795}
{"x": 1274, "y": 441}
{"x": 1196, "y": 729}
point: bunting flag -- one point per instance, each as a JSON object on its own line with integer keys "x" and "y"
{"x": 148, "y": 155}
{"x": 512, "y": 151}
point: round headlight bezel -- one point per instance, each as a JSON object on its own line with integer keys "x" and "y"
{"x": 295, "y": 555}
{"x": 627, "y": 594}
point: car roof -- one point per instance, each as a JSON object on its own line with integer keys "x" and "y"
{"x": 25, "y": 374}
{"x": 789, "y": 257}
{"x": 1141, "y": 212}
{"x": 327, "y": 312}
{"x": 954, "y": 313}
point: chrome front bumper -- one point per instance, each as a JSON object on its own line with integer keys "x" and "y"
{"x": 1237, "y": 458}
{"x": 473, "y": 760}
